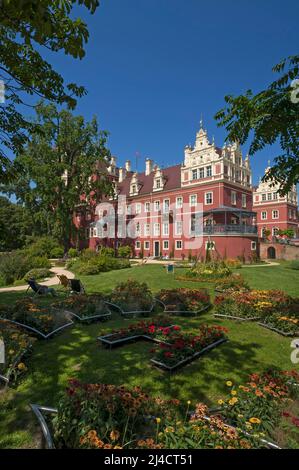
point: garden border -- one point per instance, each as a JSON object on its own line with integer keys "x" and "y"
{"x": 30, "y": 328}
{"x": 183, "y": 313}
{"x": 38, "y": 411}
{"x": 19, "y": 357}
{"x": 188, "y": 360}
{"x": 133, "y": 312}
{"x": 231, "y": 317}
{"x": 282, "y": 333}
{"x": 129, "y": 339}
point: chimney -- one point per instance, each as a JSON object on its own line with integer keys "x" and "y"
{"x": 128, "y": 165}
{"x": 149, "y": 164}
{"x": 122, "y": 174}
{"x": 112, "y": 165}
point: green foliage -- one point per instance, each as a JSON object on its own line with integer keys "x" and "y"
{"x": 294, "y": 264}
{"x": 289, "y": 233}
{"x": 55, "y": 168}
{"x": 38, "y": 273}
{"x": 73, "y": 253}
{"x": 270, "y": 115}
{"x": 124, "y": 251}
{"x": 42, "y": 246}
{"x": 57, "y": 252}
{"x": 106, "y": 251}
{"x": 91, "y": 263}
{"x": 15, "y": 225}
{"x": 28, "y": 30}
{"x": 15, "y": 265}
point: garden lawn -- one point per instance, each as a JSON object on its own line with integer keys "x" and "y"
{"x": 76, "y": 353}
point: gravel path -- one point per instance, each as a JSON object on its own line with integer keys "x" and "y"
{"x": 52, "y": 281}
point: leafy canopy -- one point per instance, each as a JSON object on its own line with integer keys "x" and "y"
{"x": 273, "y": 116}
{"x": 28, "y": 28}
{"x": 62, "y": 171}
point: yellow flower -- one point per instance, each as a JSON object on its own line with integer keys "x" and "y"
{"x": 233, "y": 400}
{"x": 233, "y": 392}
{"x": 255, "y": 420}
{"x": 22, "y": 366}
{"x": 188, "y": 402}
{"x": 220, "y": 402}
{"x": 158, "y": 420}
{"x": 114, "y": 435}
{"x": 229, "y": 383}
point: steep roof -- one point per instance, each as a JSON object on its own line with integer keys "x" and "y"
{"x": 171, "y": 174}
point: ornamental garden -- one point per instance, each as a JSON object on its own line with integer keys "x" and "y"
{"x": 199, "y": 358}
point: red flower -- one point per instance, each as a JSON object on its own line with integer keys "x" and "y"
{"x": 168, "y": 354}
{"x": 286, "y": 414}
{"x": 295, "y": 421}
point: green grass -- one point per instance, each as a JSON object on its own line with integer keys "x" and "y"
{"x": 76, "y": 353}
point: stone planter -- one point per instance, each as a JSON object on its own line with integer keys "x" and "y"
{"x": 187, "y": 360}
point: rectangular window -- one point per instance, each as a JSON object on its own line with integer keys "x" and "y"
{"x": 157, "y": 206}
{"x": 179, "y": 202}
{"x": 201, "y": 173}
{"x": 193, "y": 200}
{"x": 179, "y": 227}
{"x": 179, "y": 244}
{"x": 194, "y": 174}
{"x": 269, "y": 197}
{"x": 244, "y": 200}
{"x": 209, "y": 171}
{"x": 275, "y": 214}
{"x": 147, "y": 230}
{"x": 209, "y": 198}
{"x": 165, "y": 245}
{"x": 264, "y": 215}
{"x": 264, "y": 197}
{"x": 137, "y": 245}
{"x": 275, "y": 196}
{"x": 147, "y": 207}
{"x": 166, "y": 204}
{"x": 146, "y": 245}
{"x": 156, "y": 230}
{"x": 253, "y": 246}
{"x": 210, "y": 245}
{"x": 233, "y": 198}
{"x": 158, "y": 184}
{"x": 138, "y": 208}
{"x": 138, "y": 228}
{"x": 166, "y": 229}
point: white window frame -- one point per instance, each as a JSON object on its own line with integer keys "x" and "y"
{"x": 156, "y": 206}
{"x": 177, "y": 204}
{"x": 137, "y": 245}
{"x": 147, "y": 230}
{"x": 201, "y": 174}
{"x": 147, "y": 245}
{"x": 262, "y": 215}
{"x": 277, "y": 211}
{"x": 233, "y": 198}
{"x": 244, "y": 200}
{"x": 209, "y": 171}
{"x": 138, "y": 208}
{"x": 156, "y": 232}
{"x": 269, "y": 197}
{"x": 165, "y": 233}
{"x": 253, "y": 246}
{"x": 194, "y": 173}
{"x": 275, "y": 196}
{"x": 273, "y": 231}
{"x": 191, "y": 204}
{"x": 166, "y": 208}
{"x": 147, "y": 207}
{"x": 264, "y": 197}
{"x": 213, "y": 245}
{"x": 176, "y": 244}
{"x": 164, "y": 247}
{"x": 212, "y": 197}
{"x": 178, "y": 232}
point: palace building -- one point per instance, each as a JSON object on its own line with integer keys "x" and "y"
{"x": 205, "y": 202}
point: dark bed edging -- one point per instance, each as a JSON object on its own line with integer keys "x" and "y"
{"x": 188, "y": 360}
{"x": 37, "y": 332}
{"x": 231, "y": 317}
{"x": 39, "y": 411}
{"x": 128, "y": 339}
{"x": 268, "y": 327}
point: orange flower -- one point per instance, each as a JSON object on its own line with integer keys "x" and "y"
{"x": 114, "y": 435}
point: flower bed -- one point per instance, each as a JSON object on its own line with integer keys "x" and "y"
{"x": 209, "y": 270}
{"x": 183, "y": 348}
{"x": 184, "y": 301}
{"x": 40, "y": 320}
{"x": 254, "y": 304}
{"x": 286, "y": 326}
{"x": 132, "y": 297}
{"x": 17, "y": 345}
{"x": 154, "y": 330}
{"x": 235, "y": 282}
{"x": 86, "y": 307}
{"x": 258, "y": 406}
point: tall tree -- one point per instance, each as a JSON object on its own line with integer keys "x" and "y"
{"x": 61, "y": 169}
{"x": 272, "y": 115}
{"x": 27, "y": 29}
{"x": 16, "y": 225}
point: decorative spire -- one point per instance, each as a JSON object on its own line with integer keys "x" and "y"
{"x": 201, "y": 122}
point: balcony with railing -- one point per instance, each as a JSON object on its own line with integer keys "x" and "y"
{"x": 229, "y": 229}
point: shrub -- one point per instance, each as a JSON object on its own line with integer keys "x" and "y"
{"x": 132, "y": 296}
{"x": 39, "y": 273}
{"x": 57, "y": 252}
{"x": 124, "y": 251}
{"x": 39, "y": 262}
{"x": 106, "y": 251}
{"x": 235, "y": 282}
{"x": 87, "y": 254}
{"x": 73, "y": 253}
{"x": 294, "y": 264}
{"x": 15, "y": 265}
{"x": 42, "y": 246}
{"x": 184, "y": 300}
{"x": 233, "y": 263}
{"x": 98, "y": 264}
{"x": 209, "y": 270}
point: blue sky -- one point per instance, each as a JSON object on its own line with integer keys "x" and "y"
{"x": 153, "y": 66}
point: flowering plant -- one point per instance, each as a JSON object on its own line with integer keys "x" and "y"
{"x": 209, "y": 270}
{"x": 85, "y": 305}
{"x": 184, "y": 300}
{"x": 287, "y": 325}
{"x": 103, "y": 416}
{"x": 132, "y": 296}
{"x": 257, "y": 406}
{"x": 235, "y": 282}
{"x": 154, "y": 328}
{"x": 183, "y": 345}
{"x": 16, "y": 344}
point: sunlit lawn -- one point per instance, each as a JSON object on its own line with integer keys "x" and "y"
{"x": 76, "y": 353}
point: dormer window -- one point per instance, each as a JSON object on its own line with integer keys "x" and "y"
{"x": 158, "y": 184}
